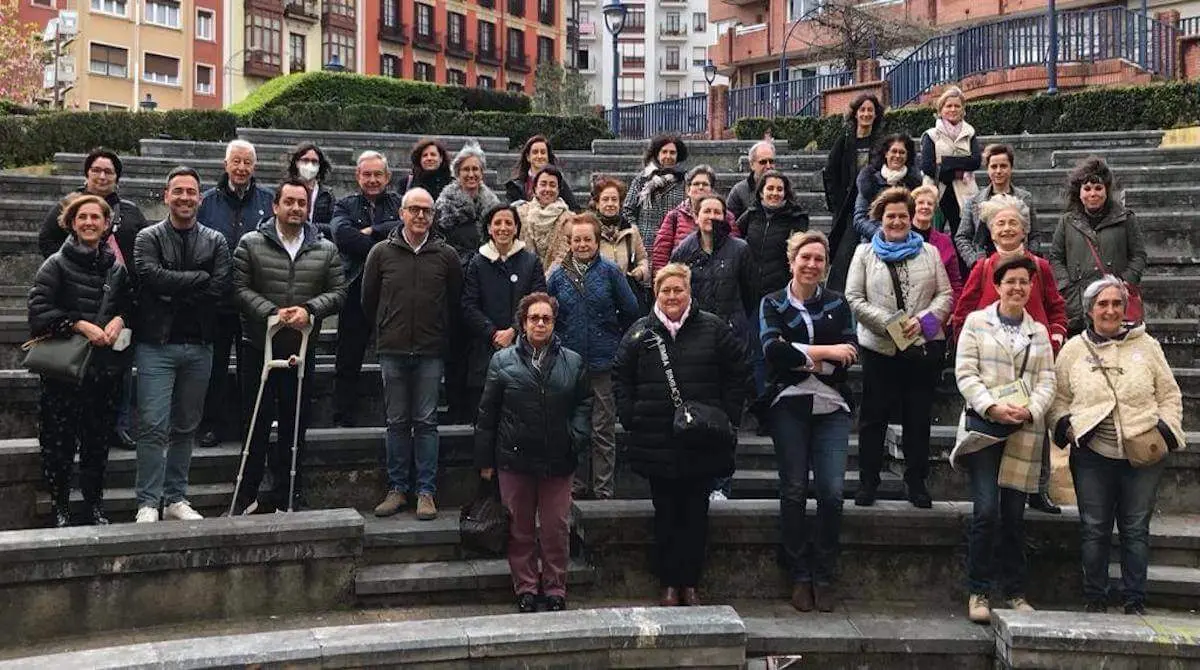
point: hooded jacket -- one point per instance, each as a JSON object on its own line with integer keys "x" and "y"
{"x": 766, "y": 233}
{"x": 723, "y": 282}
{"x": 127, "y": 221}
{"x": 593, "y": 309}
{"x": 676, "y": 226}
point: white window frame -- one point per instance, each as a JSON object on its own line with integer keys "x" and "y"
{"x": 178, "y": 70}
{"x": 118, "y": 106}
{"x": 97, "y": 7}
{"x": 212, "y": 24}
{"x": 165, "y": 6}
{"x": 212, "y": 79}
{"x": 105, "y": 74}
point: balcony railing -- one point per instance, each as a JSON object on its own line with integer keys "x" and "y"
{"x": 794, "y": 97}
{"x": 633, "y": 62}
{"x": 396, "y": 33}
{"x": 302, "y": 9}
{"x": 681, "y": 116}
{"x": 427, "y": 41}
{"x": 460, "y": 48}
{"x": 487, "y": 56}
{"x": 259, "y": 64}
{"x": 672, "y": 30}
{"x": 516, "y": 7}
{"x": 637, "y": 28}
{"x": 1189, "y": 26}
{"x": 516, "y": 63}
{"x": 670, "y": 66}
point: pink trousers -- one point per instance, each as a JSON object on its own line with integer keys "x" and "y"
{"x": 528, "y": 497}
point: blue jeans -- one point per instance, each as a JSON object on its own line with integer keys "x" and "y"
{"x": 804, "y": 442}
{"x": 996, "y": 535}
{"x": 172, "y": 381}
{"x": 410, "y": 398}
{"x": 1111, "y": 489}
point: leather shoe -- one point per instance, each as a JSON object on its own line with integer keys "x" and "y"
{"x": 1042, "y": 503}
{"x": 690, "y": 598}
{"x": 209, "y": 440}
{"x": 866, "y": 495}
{"x": 126, "y": 441}
{"x": 802, "y": 596}
{"x": 919, "y": 496}
{"x": 825, "y": 596}
{"x": 670, "y": 597}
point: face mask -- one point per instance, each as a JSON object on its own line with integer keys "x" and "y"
{"x": 308, "y": 170}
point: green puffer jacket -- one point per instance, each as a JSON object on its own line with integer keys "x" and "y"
{"x": 1118, "y": 240}
{"x": 265, "y": 279}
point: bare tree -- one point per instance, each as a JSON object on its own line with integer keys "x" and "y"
{"x": 847, "y": 32}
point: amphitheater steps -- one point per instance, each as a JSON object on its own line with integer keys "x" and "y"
{"x": 120, "y": 503}
{"x": 446, "y": 582}
{"x": 1169, "y": 586}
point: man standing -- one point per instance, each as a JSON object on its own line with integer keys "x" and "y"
{"x": 233, "y": 208}
{"x": 359, "y": 222}
{"x": 283, "y": 268}
{"x": 741, "y": 196}
{"x": 183, "y": 273}
{"x": 410, "y": 284}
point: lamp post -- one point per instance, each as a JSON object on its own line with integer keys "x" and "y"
{"x": 614, "y": 19}
{"x": 783, "y": 75}
{"x": 1052, "y": 61}
{"x": 148, "y": 105}
{"x": 710, "y": 72}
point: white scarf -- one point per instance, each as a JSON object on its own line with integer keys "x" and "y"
{"x": 893, "y": 177}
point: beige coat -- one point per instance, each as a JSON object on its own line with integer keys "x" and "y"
{"x": 617, "y": 250}
{"x": 964, "y": 189}
{"x": 872, "y": 298}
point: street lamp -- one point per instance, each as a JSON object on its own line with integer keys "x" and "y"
{"x": 1052, "y": 61}
{"x": 614, "y": 19}
{"x": 334, "y": 64}
{"x": 710, "y": 72}
{"x": 148, "y": 105}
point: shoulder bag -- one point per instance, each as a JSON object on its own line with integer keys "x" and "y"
{"x": 698, "y": 426}
{"x": 1143, "y": 449}
{"x": 66, "y": 359}
{"x": 915, "y": 352}
{"x": 975, "y": 423}
{"x": 1133, "y": 311}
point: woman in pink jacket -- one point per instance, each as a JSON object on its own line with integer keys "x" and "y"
{"x": 681, "y": 221}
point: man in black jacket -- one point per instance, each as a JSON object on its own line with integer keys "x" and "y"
{"x": 284, "y": 268}
{"x": 360, "y": 221}
{"x": 742, "y": 195}
{"x": 183, "y": 274}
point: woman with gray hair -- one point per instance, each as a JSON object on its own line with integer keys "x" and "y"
{"x": 1120, "y": 410}
{"x": 681, "y": 221}
{"x": 461, "y": 205}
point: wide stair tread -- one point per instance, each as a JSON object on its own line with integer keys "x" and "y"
{"x": 471, "y": 575}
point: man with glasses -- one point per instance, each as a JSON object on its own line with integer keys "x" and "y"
{"x": 741, "y": 196}
{"x": 360, "y": 221}
{"x": 410, "y": 284}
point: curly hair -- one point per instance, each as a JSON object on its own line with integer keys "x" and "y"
{"x": 325, "y": 167}
{"x": 773, "y": 174}
{"x": 660, "y": 141}
{"x": 1091, "y": 170}
{"x": 523, "y": 166}
{"x": 857, "y": 103}
{"x": 604, "y": 183}
{"x": 879, "y": 152}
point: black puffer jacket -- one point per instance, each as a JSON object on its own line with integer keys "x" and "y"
{"x": 533, "y": 421}
{"x": 723, "y": 282}
{"x": 265, "y": 278}
{"x": 127, "y": 221}
{"x": 767, "y": 233}
{"x": 69, "y": 287}
{"x": 179, "y": 274}
{"x": 491, "y": 290}
{"x": 709, "y": 366}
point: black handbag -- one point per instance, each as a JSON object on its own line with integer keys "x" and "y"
{"x": 65, "y": 359}
{"x": 975, "y": 423}
{"x": 483, "y": 523}
{"x": 698, "y": 426}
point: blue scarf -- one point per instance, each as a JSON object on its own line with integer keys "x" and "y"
{"x": 894, "y": 252}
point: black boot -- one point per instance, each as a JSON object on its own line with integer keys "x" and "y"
{"x": 1042, "y": 503}
{"x": 918, "y": 495}
{"x": 95, "y": 514}
{"x": 867, "y": 492}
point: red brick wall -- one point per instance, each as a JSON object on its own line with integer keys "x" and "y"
{"x": 1189, "y": 60}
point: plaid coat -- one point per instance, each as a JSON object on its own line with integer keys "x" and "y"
{"x": 984, "y": 361}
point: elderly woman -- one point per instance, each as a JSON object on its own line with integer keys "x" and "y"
{"x": 309, "y": 164}
{"x": 891, "y": 166}
{"x": 82, "y": 289}
{"x": 657, "y": 188}
{"x": 533, "y": 419}
{"x": 1096, "y": 227}
{"x": 620, "y": 242}
{"x": 926, "y": 199}
{"x": 430, "y": 168}
{"x": 596, "y": 305}
{"x": 809, "y": 344}
{"x": 461, "y": 204}
{"x": 901, "y": 296}
{"x": 707, "y": 367}
{"x": 1116, "y": 398}
{"x": 681, "y": 221}
{"x": 973, "y": 240}
{"x": 1005, "y": 372}
{"x": 535, "y": 155}
{"x": 544, "y": 219}
{"x": 950, "y": 156}
{"x": 497, "y": 278}
{"x": 851, "y": 153}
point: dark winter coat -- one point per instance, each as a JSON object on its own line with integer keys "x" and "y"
{"x": 841, "y": 169}
{"x": 766, "y": 233}
{"x": 181, "y": 277}
{"x": 411, "y": 297}
{"x": 870, "y": 184}
{"x": 1119, "y": 241}
{"x": 709, "y": 364}
{"x": 353, "y": 213}
{"x": 126, "y": 222}
{"x": 741, "y": 197}
{"x": 69, "y": 287}
{"x": 459, "y": 218}
{"x": 433, "y": 182}
{"x": 223, "y": 211}
{"x": 519, "y": 189}
{"x": 723, "y": 282}
{"x": 534, "y": 421}
{"x": 593, "y": 309}
{"x": 492, "y": 289}
{"x": 322, "y": 212}
{"x": 265, "y": 279}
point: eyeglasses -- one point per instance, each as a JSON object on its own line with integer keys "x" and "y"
{"x": 423, "y": 212}
{"x": 700, "y": 184}
{"x": 766, "y": 161}
{"x": 540, "y": 318}
{"x": 104, "y": 172}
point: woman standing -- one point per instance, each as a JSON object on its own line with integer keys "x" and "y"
{"x": 461, "y": 204}
{"x": 767, "y": 226}
{"x": 81, "y": 289}
{"x": 497, "y": 278}
{"x": 926, "y": 199}
{"x": 681, "y": 221}
{"x": 657, "y": 188}
{"x": 708, "y": 367}
{"x": 430, "y": 168}
{"x": 1115, "y": 395}
{"x": 1001, "y": 437}
{"x": 309, "y": 164}
{"x": 535, "y": 155}
{"x": 891, "y": 166}
{"x": 900, "y": 294}
{"x": 950, "y": 155}
{"x": 1095, "y": 224}
{"x": 533, "y": 419}
{"x": 544, "y": 219}
{"x": 620, "y": 242}
{"x": 809, "y": 344}
{"x": 851, "y": 153}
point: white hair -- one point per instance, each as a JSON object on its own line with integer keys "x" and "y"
{"x": 471, "y": 149}
{"x": 999, "y": 203}
{"x": 416, "y": 190}
{"x": 240, "y": 144}
{"x": 1095, "y": 288}
{"x": 761, "y": 144}
{"x": 371, "y": 155}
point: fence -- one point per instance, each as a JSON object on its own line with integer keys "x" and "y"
{"x": 794, "y": 97}
{"x": 681, "y": 116}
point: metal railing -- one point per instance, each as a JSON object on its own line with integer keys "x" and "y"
{"x": 681, "y": 116}
{"x": 794, "y": 97}
{"x": 1084, "y": 36}
{"x": 1189, "y": 26}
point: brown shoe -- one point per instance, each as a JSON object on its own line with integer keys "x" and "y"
{"x": 825, "y": 597}
{"x": 670, "y": 597}
{"x": 426, "y": 510}
{"x": 690, "y": 598}
{"x": 394, "y": 502}
{"x": 802, "y": 596}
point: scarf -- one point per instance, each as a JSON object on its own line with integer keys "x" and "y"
{"x": 672, "y": 327}
{"x": 1095, "y": 218}
{"x": 1005, "y": 255}
{"x": 894, "y": 252}
{"x": 541, "y": 224}
{"x": 659, "y": 180}
{"x": 456, "y": 207}
{"x": 951, "y": 130}
{"x": 1102, "y": 339}
{"x": 892, "y": 177}
{"x": 609, "y": 225}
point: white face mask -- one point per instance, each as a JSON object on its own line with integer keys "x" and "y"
{"x": 308, "y": 170}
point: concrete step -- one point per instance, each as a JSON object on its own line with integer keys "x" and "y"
{"x": 1075, "y": 640}
{"x": 1127, "y": 157}
{"x": 754, "y": 484}
{"x": 404, "y": 539}
{"x": 439, "y": 582}
{"x": 1172, "y": 586}
{"x": 211, "y": 500}
{"x": 360, "y": 141}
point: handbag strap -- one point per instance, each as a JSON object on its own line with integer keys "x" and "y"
{"x": 896, "y": 286}
{"x": 1024, "y": 361}
{"x": 1107, "y": 380}
{"x": 676, "y": 398}
{"x": 106, "y": 293}
{"x": 1095, "y": 255}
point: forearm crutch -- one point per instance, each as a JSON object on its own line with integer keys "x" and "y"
{"x": 299, "y": 361}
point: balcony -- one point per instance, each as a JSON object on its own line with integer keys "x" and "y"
{"x": 427, "y": 41}
{"x": 633, "y": 62}
{"x": 297, "y": 66}
{"x": 304, "y": 10}
{"x": 671, "y": 68}
{"x": 396, "y": 33}
{"x": 516, "y": 7}
{"x": 260, "y": 64}
{"x": 587, "y": 30}
{"x": 487, "y": 56}
{"x": 517, "y": 63}
{"x": 637, "y": 28}
{"x": 460, "y": 48}
{"x": 672, "y": 32}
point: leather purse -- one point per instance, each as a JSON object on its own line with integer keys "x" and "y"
{"x": 1143, "y": 449}
{"x": 698, "y": 426}
{"x": 65, "y": 359}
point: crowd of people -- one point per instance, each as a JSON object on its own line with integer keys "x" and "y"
{"x": 659, "y": 305}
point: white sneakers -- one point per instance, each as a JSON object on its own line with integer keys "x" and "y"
{"x": 147, "y": 514}
{"x": 717, "y": 495}
{"x": 180, "y": 511}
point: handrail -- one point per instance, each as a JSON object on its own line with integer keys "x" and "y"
{"x": 789, "y": 98}
{"x": 680, "y": 116}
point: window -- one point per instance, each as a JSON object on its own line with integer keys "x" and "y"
{"x": 633, "y": 54}
{"x": 699, "y": 87}
{"x": 635, "y": 21}
{"x": 672, "y": 89}
{"x": 391, "y": 13}
{"x": 114, "y": 7}
{"x": 631, "y": 89}
{"x": 456, "y": 29}
{"x": 46, "y": 3}
{"x": 673, "y": 59}
{"x": 487, "y": 38}
{"x": 424, "y": 19}
{"x": 340, "y": 43}
{"x": 206, "y": 19}
{"x": 798, "y": 9}
{"x": 109, "y": 61}
{"x": 297, "y": 45}
{"x": 343, "y": 7}
{"x": 162, "y": 13}
{"x": 516, "y": 44}
{"x": 672, "y": 23}
{"x": 456, "y": 77}
{"x": 515, "y": 87}
{"x": 389, "y": 65}
{"x": 699, "y": 56}
{"x": 204, "y": 80}
{"x": 484, "y": 81}
{"x": 583, "y": 59}
{"x": 699, "y": 22}
{"x": 546, "y": 12}
{"x": 264, "y": 33}
{"x": 545, "y": 50}
{"x": 423, "y": 71}
{"x": 105, "y": 107}
{"x": 160, "y": 69}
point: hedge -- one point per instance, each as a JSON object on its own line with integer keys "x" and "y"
{"x": 1152, "y": 107}
{"x": 356, "y": 89}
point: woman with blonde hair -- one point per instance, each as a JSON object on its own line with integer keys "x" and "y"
{"x": 950, "y": 155}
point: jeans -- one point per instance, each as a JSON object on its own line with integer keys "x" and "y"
{"x": 125, "y": 404}
{"x": 227, "y": 335}
{"x": 804, "y": 442}
{"x": 602, "y": 462}
{"x": 680, "y": 528}
{"x": 410, "y": 398}
{"x": 172, "y": 382}
{"x": 353, "y": 335}
{"x": 530, "y": 499}
{"x": 1111, "y": 489}
{"x": 996, "y": 536}
{"x": 894, "y": 382}
{"x": 84, "y": 415}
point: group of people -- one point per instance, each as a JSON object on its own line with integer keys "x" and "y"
{"x": 549, "y": 323}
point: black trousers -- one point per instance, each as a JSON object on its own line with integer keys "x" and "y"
{"x": 354, "y": 333}
{"x": 228, "y": 334}
{"x": 680, "y": 528}
{"x": 904, "y": 384}
{"x": 278, "y": 404}
{"x": 86, "y": 416}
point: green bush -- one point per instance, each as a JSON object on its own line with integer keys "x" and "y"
{"x": 356, "y": 89}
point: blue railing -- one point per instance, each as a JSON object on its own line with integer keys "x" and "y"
{"x": 794, "y": 97}
{"x": 1189, "y": 26}
{"x": 1084, "y": 36}
{"x": 681, "y": 116}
